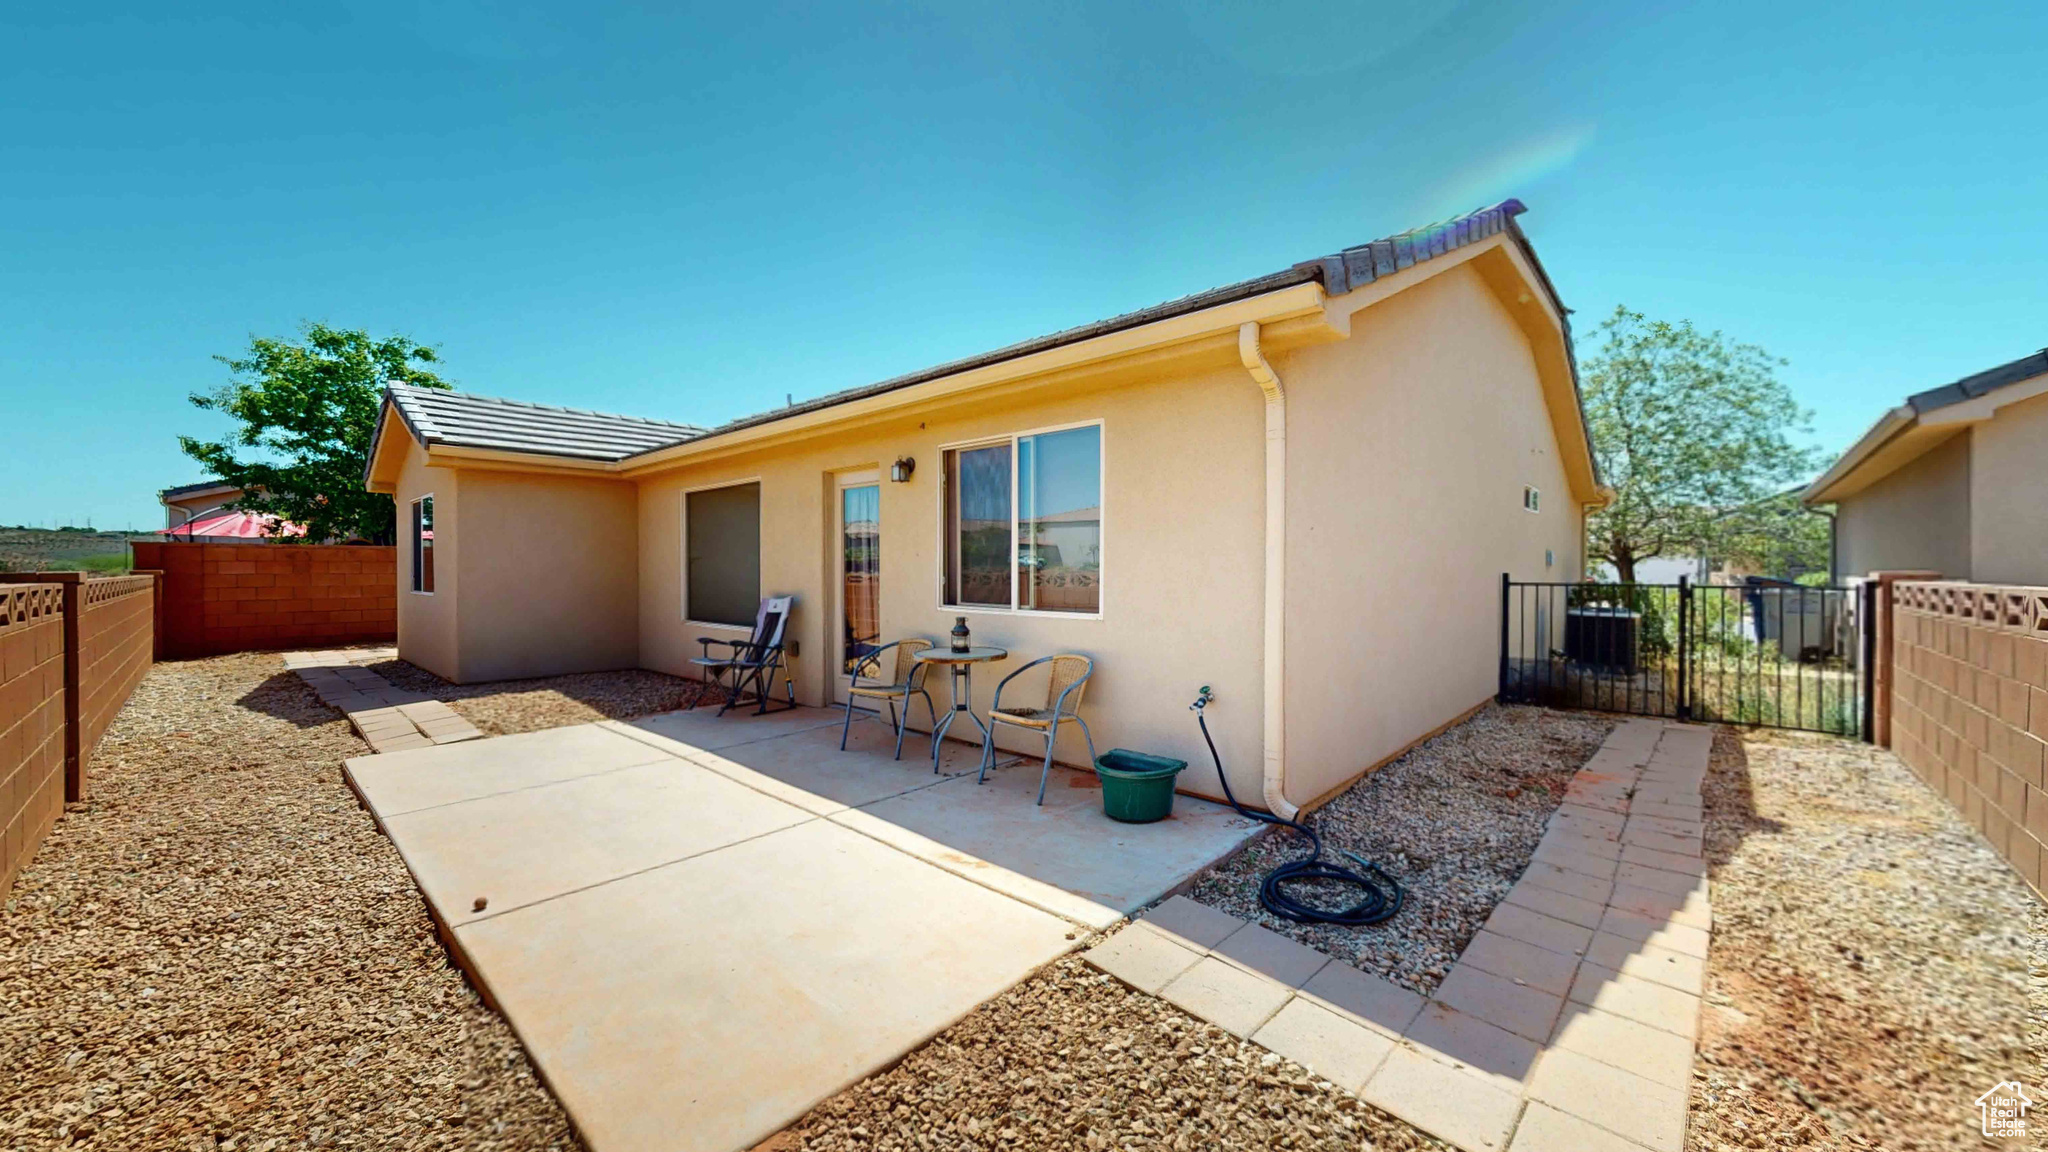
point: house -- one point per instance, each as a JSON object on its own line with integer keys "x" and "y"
{"x": 1951, "y": 481}
{"x": 189, "y": 502}
{"x": 201, "y": 512}
{"x": 1301, "y": 489}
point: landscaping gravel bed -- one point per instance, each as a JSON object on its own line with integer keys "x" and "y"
{"x": 1073, "y": 1059}
{"x": 503, "y": 707}
{"x": 218, "y": 950}
{"x": 1454, "y": 820}
{"x": 1872, "y": 959}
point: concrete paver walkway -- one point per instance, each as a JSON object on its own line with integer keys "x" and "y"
{"x": 702, "y": 926}
{"x": 1570, "y": 1020}
{"x": 387, "y": 717}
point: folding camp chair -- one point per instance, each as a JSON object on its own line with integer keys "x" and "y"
{"x": 753, "y": 661}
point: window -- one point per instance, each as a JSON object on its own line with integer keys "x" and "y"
{"x": 1531, "y": 499}
{"x": 423, "y": 544}
{"x": 722, "y": 551}
{"x": 1024, "y": 522}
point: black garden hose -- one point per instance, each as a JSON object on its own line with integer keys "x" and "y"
{"x": 1379, "y": 898}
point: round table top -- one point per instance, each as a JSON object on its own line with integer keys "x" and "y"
{"x": 974, "y": 655}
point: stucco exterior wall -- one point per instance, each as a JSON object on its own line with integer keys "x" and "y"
{"x": 427, "y": 621}
{"x": 2009, "y": 495}
{"x": 1408, "y": 448}
{"x": 556, "y": 588}
{"x": 1183, "y": 500}
{"x": 1917, "y": 518}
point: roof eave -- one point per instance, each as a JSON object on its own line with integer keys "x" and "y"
{"x": 1301, "y": 301}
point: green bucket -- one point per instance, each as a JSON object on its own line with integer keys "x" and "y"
{"x": 1136, "y": 788}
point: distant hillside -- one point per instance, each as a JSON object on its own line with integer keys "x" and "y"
{"x": 65, "y": 549}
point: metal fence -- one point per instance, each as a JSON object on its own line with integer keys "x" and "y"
{"x": 1763, "y": 652}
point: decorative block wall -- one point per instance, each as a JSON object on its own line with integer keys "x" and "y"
{"x": 31, "y": 720}
{"x": 222, "y": 598}
{"x": 1970, "y": 707}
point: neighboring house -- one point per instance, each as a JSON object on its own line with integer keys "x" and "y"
{"x": 200, "y": 513}
{"x": 1659, "y": 570}
{"x": 1301, "y": 489}
{"x": 190, "y": 502}
{"x": 1955, "y": 481}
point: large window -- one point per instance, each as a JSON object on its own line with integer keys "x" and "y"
{"x": 1024, "y": 522}
{"x": 423, "y": 544}
{"x": 722, "y": 550}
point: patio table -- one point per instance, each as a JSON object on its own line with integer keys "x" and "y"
{"x": 961, "y": 664}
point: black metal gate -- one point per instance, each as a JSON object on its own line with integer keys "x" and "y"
{"x": 1763, "y": 652}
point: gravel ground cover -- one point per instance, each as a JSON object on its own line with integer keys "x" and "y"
{"x": 1454, "y": 820}
{"x": 1872, "y": 959}
{"x": 219, "y": 951}
{"x": 504, "y": 707}
{"x": 1073, "y": 1059}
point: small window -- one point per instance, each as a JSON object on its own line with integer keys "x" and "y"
{"x": 423, "y": 544}
{"x": 1024, "y": 523}
{"x": 722, "y": 546}
{"x": 1531, "y": 499}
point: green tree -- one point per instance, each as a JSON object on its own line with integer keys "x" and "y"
{"x": 1776, "y": 536}
{"x": 309, "y": 409}
{"x": 1691, "y": 428}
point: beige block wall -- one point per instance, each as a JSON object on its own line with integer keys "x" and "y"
{"x": 427, "y": 621}
{"x": 1918, "y": 517}
{"x": 32, "y": 725}
{"x": 1183, "y": 514}
{"x": 2009, "y": 495}
{"x": 555, "y": 589}
{"x": 1408, "y": 448}
{"x": 1970, "y": 708}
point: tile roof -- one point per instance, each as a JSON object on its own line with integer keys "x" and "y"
{"x": 1339, "y": 273}
{"x": 436, "y": 416}
{"x": 457, "y": 418}
{"x": 1985, "y": 382}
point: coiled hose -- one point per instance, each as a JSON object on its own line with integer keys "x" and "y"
{"x": 1378, "y": 900}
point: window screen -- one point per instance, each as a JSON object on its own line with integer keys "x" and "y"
{"x": 722, "y": 546}
{"x": 423, "y": 544}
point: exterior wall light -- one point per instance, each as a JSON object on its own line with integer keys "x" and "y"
{"x": 900, "y": 471}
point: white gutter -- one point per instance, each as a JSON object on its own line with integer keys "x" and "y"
{"x": 1275, "y": 768}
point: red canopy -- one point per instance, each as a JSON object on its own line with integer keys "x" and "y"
{"x": 243, "y": 525}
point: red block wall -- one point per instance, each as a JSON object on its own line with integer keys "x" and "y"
{"x": 222, "y": 598}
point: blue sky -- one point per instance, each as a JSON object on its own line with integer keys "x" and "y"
{"x": 692, "y": 214}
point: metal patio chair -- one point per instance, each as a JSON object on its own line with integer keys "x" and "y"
{"x": 908, "y": 681}
{"x": 754, "y": 660}
{"x": 1063, "y": 692}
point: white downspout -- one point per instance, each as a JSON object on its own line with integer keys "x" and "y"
{"x": 1275, "y": 770}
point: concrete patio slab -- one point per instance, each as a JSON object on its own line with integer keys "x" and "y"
{"x": 705, "y": 728}
{"x": 696, "y": 944}
{"x": 1016, "y": 885}
{"x": 700, "y": 1006}
{"x": 1068, "y": 843}
{"x": 393, "y": 783}
{"x": 516, "y": 848}
{"x": 810, "y": 759}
